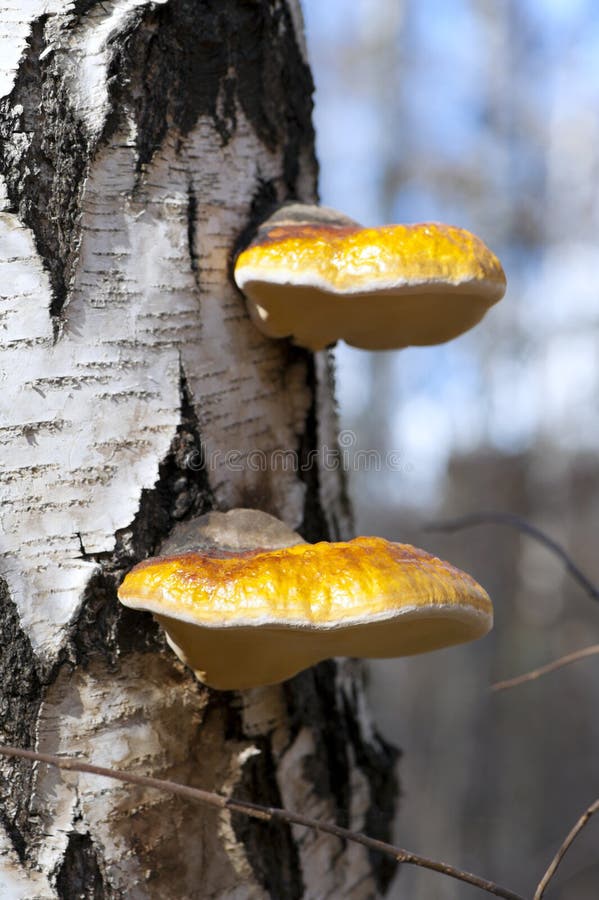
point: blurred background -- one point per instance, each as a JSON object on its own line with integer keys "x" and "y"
{"x": 484, "y": 114}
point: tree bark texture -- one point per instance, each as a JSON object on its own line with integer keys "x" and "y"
{"x": 140, "y": 142}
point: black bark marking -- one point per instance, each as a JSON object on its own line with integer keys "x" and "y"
{"x": 192, "y": 212}
{"x": 271, "y": 849}
{"x": 43, "y": 157}
{"x": 378, "y": 761}
{"x": 264, "y": 202}
{"x": 79, "y": 877}
{"x": 314, "y": 526}
{"x": 312, "y": 698}
{"x": 182, "y": 491}
{"x": 191, "y": 58}
{"x": 19, "y": 704}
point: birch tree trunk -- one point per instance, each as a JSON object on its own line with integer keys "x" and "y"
{"x": 140, "y": 141}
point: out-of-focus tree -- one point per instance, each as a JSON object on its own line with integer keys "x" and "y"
{"x": 485, "y": 114}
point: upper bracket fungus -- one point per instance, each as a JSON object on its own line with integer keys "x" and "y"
{"x": 315, "y": 275}
{"x": 245, "y": 601}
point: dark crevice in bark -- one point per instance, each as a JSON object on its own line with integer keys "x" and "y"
{"x": 19, "y": 704}
{"x": 181, "y": 491}
{"x": 271, "y": 849}
{"x": 189, "y": 58}
{"x": 264, "y": 202}
{"x": 169, "y": 65}
{"x": 314, "y": 526}
{"x": 378, "y": 761}
{"x": 192, "y": 212}
{"x": 79, "y": 877}
{"x": 105, "y": 627}
{"x": 343, "y": 500}
{"x": 313, "y": 697}
{"x": 299, "y": 134}
{"x": 43, "y": 156}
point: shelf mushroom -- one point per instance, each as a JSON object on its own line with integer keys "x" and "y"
{"x": 315, "y": 275}
{"x": 243, "y": 617}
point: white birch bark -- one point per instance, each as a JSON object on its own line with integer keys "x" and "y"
{"x": 140, "y": 140}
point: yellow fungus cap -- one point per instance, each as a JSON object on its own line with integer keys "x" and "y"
{"x": 259, "y": 617}
{"x": 318, "y": 277}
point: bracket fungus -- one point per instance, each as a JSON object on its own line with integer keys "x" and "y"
{"x": 252, "y": 604}
{"x": 315, "y": 275}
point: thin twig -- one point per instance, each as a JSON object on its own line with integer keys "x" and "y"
{"x": 544, "y": 882}
{"x": 266, "y": 813}
{"x": 544, "y": 670}
{"x": 514, "y": 521}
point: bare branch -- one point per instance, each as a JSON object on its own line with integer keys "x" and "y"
{"x": 544, "y": 882}
{"x": 265, "y": 813}
{"x": 514, "y": 521}
{"x": 546, "y": 669}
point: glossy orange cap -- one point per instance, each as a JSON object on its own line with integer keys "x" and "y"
{"x": 259, "y": 617}
{"x": 316, "y": 276}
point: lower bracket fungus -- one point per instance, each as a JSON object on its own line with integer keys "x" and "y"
{"x": 316, "y": 276}
{"x": 244, "y": 601}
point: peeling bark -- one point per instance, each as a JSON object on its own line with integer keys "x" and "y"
{"x": 141, "y": 141}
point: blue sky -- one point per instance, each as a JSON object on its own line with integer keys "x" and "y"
{"x": 492, "y": 124}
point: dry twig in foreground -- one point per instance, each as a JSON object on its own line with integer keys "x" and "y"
{"x": 514, "y": 521}
{"x": 543, "y": 883}
{"x": 546, "y": 669}
{"x": 520, "y": 524}
{"x": 265, "y": 813}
